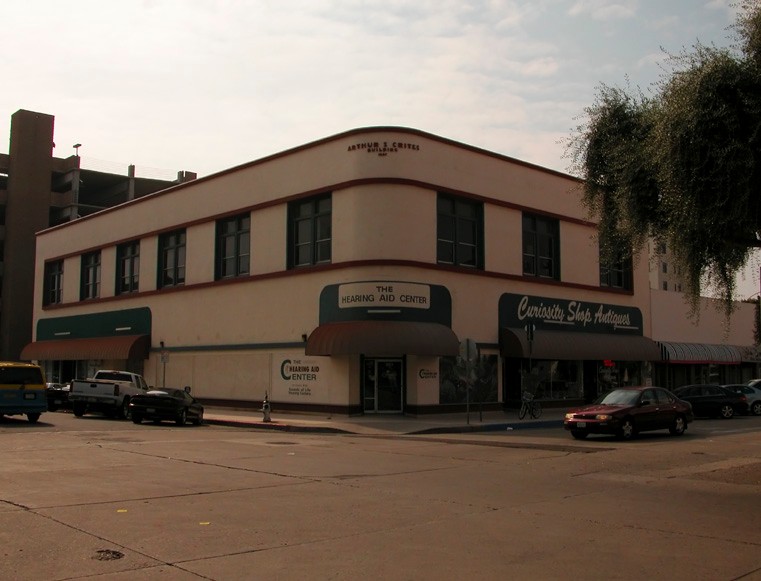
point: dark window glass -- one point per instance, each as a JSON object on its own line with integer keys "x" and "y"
{"x": 53, "y": 285}
{"x": 128, "y": 267}
{"x": 233, "y": 246}
{"x": 541, "y": 247}
{"x": 310, "y": 227}
{"x": 459, "y": 232}
{"x": 171, "y": 259}
{"x": 617, "y": 274}
{"x": 90, "y": 283}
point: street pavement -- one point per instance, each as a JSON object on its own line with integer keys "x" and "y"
{"x": 378, "y": 424}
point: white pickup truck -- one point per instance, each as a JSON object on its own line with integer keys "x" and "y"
{"x": 108, "y": 391}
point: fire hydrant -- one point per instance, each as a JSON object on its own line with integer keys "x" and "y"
{"x": 266, "y": 409}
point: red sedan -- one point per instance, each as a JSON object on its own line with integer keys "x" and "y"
{"x": 626, "y": 411}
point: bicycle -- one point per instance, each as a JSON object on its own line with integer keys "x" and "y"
{"x": 529, "y": 406}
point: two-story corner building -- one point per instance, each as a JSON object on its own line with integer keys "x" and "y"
{"x": 343, "y": 276}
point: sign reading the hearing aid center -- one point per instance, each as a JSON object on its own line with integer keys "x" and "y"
{"x": 384, "y": 294}
{"x": 297, "y": 378}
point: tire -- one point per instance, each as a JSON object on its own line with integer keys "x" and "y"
{"x": 679, "y": 426}
{"x": 523, "y": 410}
{"x": 199, "y": 420}
{"x": 124, "y": 412}
{"x": 579, "y": 435}
{"x": 137, "y": 419}
{"x": 627, "y": 431}
{"x": 755, "y": 408}
{"x": 78, "y": 408}
{"x": 182, "y": 418}
{"x": 726, "y": 411}
{"x": 33, "y": 417}
{"x": 536, "y": 410}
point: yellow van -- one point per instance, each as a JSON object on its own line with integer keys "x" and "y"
{"x": 22, "y": 390}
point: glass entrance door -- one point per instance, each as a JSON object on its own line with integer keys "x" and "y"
{"x": 383, "y": 383}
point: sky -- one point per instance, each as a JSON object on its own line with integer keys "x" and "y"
{"x": 206, "y": 85}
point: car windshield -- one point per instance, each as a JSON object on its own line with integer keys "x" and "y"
{"x": 619, "y": 397}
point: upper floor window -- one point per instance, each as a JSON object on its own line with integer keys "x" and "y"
{"x": 616, "y": 274}
{"x": 128, "y": 267}
{"x": 459, "y": 232}
{"x": 541, "y": 246}
{"x": 233, "y": 253}
{"x": 90, "y": 283}
{"x": 53, "y": 284}
{"x": 171, "y": 259}
{"x": 310, "y": 231}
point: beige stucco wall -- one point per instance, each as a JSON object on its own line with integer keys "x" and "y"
{"x": 672, "y": 321}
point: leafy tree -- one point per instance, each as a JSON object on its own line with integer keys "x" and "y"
{"x": 682, "y": 167}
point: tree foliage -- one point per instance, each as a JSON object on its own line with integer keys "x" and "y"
{"x": 683, "y": 166}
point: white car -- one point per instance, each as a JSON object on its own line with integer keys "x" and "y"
{"x": 752, "y": 391}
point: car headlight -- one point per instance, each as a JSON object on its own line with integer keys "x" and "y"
{"x": 603, "y": 417}
{"x": 569, "y": 416}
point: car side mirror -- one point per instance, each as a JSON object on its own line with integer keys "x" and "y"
{"x": 187, "y": 389}
{"x": 644, "y": 402}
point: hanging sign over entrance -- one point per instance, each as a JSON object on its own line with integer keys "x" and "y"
{"x": 384, "y": 294}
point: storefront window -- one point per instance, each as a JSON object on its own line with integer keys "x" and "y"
{"x": 453, "y": 386}
{"x": 551, "y": 379}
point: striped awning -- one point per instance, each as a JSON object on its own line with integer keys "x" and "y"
{"x": 697, "y": 353}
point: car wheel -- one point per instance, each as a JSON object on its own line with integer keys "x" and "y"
{"x": 679, "y": 426}
{"x": 33, "y": 417}
{"x": 124, "y": 412}
{"x": 182, "y": 418}
{"x": 199, "y": 419}
{"x": 78, "y": 408}
{"x": 579, "y": 435}
{"x": 755, "y": 408}
{"x": 137, "y": 419}
{"x": 726, "y": 411}
{"x": 627, "y": 430}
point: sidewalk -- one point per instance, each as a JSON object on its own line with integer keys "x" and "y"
{"x": 383, "y": 424}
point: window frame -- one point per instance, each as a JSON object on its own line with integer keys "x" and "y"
{"x": 174, "y": 245}
{"x": 89, "y": 286}
{"x": 549, "y": 239}
{"x": 316, "y": 247}
{"x": 238, "y": 262}
{"x": 617, "y": 275}
{"x": 52, "y": 290}
{"x": 463, "y": 212}
{"x": 127, "y": 268}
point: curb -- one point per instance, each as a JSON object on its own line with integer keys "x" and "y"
{"x": 469, "y": 428}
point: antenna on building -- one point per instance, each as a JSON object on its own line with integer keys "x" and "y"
{"x": 76, "y": 148}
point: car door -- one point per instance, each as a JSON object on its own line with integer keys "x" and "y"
{"x": 666, "y": 413}
{"x": 646, "y": 415}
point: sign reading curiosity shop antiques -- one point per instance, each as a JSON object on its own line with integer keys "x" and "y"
{"x": 550, "y": 314}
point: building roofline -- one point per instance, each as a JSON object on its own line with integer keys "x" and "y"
{"x": 323, "y": 141}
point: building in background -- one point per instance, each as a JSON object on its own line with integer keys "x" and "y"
{"x": 38, "y": 190}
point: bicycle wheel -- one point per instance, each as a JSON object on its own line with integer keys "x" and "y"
{"x": 536, "y": 409}
{"x": 523, "y": 411}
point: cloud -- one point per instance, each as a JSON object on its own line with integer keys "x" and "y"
{"x": 604, "y": 9}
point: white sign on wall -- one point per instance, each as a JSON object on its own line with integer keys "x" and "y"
{"x": 384, "y": 294}
{"x": 299, "y": 379}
